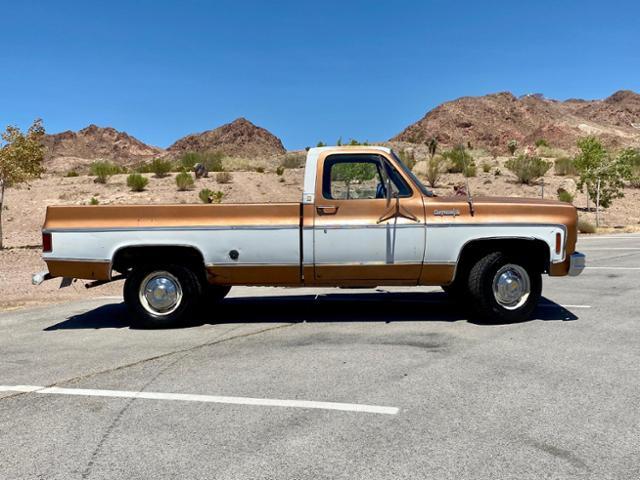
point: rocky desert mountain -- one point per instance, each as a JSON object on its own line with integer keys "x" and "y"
{"x": 240, "y": 138}
{"x": 76, "y": 150}
{"x": 490, "y": 121}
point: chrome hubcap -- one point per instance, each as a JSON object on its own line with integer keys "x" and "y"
{"x": 160, "y": 293}
{"x": 511, "y": 286}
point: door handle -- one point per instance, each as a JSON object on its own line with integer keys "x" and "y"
{"x": 327, "y": 210}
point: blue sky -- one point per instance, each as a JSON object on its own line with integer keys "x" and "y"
{"x": 307, "y": 71}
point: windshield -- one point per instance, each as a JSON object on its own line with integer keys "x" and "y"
{"x": 414, "y": 178}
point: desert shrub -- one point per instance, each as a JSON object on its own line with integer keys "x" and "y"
{"x": 217, "y": 196}
{"x": 293, "y": 160}
{"x": 469, "y": 170}
{"x": 94, "y": 201}
{"x": 407, "y": 157}
{"x": 435, "y": 169}
{"x": 205, "y": 195}
{"x": 564, "y": 166}
{"x": 102, "y": 170}
{"x": 282, "y": 180}
{"x": 224, "y": 177}
{"x": 631, "y": 158}
{"x": 458, "y": 159}
{"x": 527, "y": 168}
{"x": 497, "y": 173}
{"x": 541, "y": 142}
{"x": 184, "y": 181}
{"x": 280, "y": 171}
{"x": 72, "y": 173}
{"x": 321, "y": 144}
{"x": 565, "y": 196}
{"x": 188, "y": 160}
{"x": 212, "y": 161}
{"x": 259, "y": 169}
{"x": 512, "y": 146}
{"x": 586, "y": 227}
{"x": 486, "y": 167}
{"x": 137, "y": 182}
{"x": 160, "y": 167}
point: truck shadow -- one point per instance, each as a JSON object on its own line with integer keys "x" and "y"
{"x": 338, "y": 307}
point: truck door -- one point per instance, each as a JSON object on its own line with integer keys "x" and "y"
{"x": 369, "y": 221}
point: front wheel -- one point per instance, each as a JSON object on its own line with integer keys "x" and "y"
{"x": 160, "y": 296}
{"x": 504, "y": 289}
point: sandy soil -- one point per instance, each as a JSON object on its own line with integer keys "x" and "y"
{"x": 25, "y": 209}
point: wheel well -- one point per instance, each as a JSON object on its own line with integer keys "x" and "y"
{"x": 534, "y": 252}
{"x": 128, "y": 257}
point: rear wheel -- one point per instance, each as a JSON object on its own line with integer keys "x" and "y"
{"x": 504, "y": 289}
{"x": 160, "y": 296}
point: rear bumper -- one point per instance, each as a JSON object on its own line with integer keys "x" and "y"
{"x": 577, "y": 262}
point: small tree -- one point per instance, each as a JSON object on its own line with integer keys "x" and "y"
{"x": 512, "y": 146}
{"x": 602, "y": 175}
{"x": 20, "y": 158}
{"x": 434, "y": 169}
{"x": 353, "y": 172}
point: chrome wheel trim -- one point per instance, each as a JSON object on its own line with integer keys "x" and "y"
{"x": 511, "y": 286}
{"x": 160, "y": 293}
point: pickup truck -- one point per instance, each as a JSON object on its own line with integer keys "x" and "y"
{"x": 365, "y": 220}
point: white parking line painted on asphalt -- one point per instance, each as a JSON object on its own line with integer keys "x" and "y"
{"x": 187, "y": 397}
{"x": 546, "y": 305}
{"x": 612, "y": 268}
{"x": 596, "y": 249}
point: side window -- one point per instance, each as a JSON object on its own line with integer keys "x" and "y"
{"x": 357, "y": 177}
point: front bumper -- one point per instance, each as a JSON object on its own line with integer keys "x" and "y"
{"x": 577, "y": 262}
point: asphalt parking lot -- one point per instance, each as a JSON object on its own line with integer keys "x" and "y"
{"x": 280, "y": 383}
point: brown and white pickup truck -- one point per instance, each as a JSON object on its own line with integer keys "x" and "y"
{"x": 365, "y": 220}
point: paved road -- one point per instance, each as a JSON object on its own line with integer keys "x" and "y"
{"x": 555, "y": 397}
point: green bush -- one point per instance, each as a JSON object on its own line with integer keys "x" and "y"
{"x": 565, "y": 196}
{"x": 408, "y": 158}
{"x": 280, "y": 171}
{"x": 71, "y": 173}
{"x": 469, "y": 170}
{"x": 512, "y": 146}
{"x": 586, "y": 227}
{"x": 102, "y": 170}
{"x": 224, "y": 177}
{"x": 259, "y": 169}
{"x": 205, "y": 195}
{"x": 564, "y": 166}
{"x": 293, "y": 160}
{"x": 542, "y": 143}
{"x": 160, "y": 167}
{"x": 486, "y": 167}
{"x": 497, "y": 173}
{"x": 184, "y": 181}
{"x": 137, "y": 182}
{"x": 527, "y": 168}
{"x": 459, "y": 159}
{"x": 94, "y": 201}
{"x": 212, "y": 161}
{"x": 217, "y": 197}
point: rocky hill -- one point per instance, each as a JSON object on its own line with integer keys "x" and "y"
{"x": 492, "y": 120}
{"x": 76, "y": 150}
{"x": 240, "y": 138}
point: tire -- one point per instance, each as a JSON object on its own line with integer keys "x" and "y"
{"x": 504, "y": 289}
{"x": 161, "y": 296}
{"x": 214, "y": 293}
